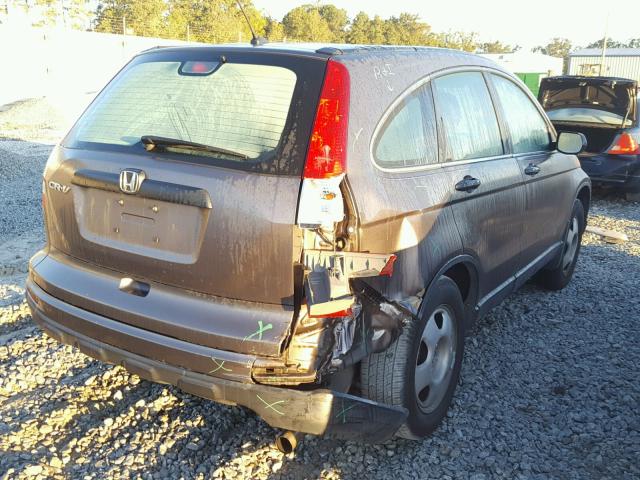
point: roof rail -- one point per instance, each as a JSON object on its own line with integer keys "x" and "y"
{"x": 330, "y": 51}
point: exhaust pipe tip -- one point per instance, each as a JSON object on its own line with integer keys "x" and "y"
{"x": 288, "y": 441}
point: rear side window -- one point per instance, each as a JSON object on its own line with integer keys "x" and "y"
{"x": 408, "y": 137}
{"x": 238, "y": 107}
{"x": 529, "y": 132}
{"x": 469, "y": 122}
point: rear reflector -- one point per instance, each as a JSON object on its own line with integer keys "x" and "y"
{"x": 387, "y": 270}
{"x": 625, "y": 144}
{"x": 327, "y": 155}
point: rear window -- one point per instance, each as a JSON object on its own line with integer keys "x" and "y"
{"x": 238, "y": 107}
{"x": 251, "y": 109}
{"x": 408, "y": 137}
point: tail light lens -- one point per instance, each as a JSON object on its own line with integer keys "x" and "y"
{"x": 327, "y": 155}
{"x": 625, "y": 144}
{"x": 321, "y": 203}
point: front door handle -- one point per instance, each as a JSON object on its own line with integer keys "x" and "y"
{"x": 532, "y": 170}
{"x": 467, "y": 184}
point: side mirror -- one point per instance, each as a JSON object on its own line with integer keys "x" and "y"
{"x": 571, "y": 143}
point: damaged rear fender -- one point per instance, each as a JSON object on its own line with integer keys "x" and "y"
{"x": 343, "y": 320}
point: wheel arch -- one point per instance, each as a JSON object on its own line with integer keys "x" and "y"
{"x": 464, "y": 271}
{"x": 584, "y": 195}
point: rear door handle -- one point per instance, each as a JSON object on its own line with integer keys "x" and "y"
{"x": 532, "y": 170}
{"x": 467, "y": 184}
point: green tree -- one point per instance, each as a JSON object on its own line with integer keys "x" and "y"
{"x": 406, "y": 29}
{"x": 305, "y": 24}
{"x": 360, "y": 30}
{"x": 634, "y": 43}
{"x": 455, "y": 40}
{"x": 610, "y": 44}
{"x": 557, "y": 47}
{"x": 274, "y": 30}
{"x": 336, "y": 19}
{"x": 68, "y": 13}
{"x": 495, "y": 47}
{"x": 141, "y": 17}
{"x": 378, "y": 33}
{"x": 213, "y": 21}
{"x": 368, "y": 31}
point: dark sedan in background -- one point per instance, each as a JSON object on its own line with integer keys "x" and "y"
{"x": 605, "y": 110}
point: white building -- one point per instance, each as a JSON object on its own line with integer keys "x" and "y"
{"x": 529, "y": 66}
{"x": 618, "y": 62}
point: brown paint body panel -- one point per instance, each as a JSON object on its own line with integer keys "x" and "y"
{"x": 205, "y": 320}
{"x": 160, "y": 359}
{"x": 158, "y": 347}
{"x": 235, "y": 249}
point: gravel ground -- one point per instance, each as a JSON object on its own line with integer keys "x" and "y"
{"x": 549, "y": 384}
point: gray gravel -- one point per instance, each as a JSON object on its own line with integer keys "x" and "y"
{"x": 549, "y": 385}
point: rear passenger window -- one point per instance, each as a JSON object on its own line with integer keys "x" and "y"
{"x": 408, "y": 137}
{"x": 529, "y": 132}
{"x": 468, "y": 118}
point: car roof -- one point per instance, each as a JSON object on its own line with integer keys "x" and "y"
{"x": 320, "y": 50}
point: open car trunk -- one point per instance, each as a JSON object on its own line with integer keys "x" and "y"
{"x": 599, "y": 137}
{"x": 210, "y": 213}
{"x": 598, "y": 107}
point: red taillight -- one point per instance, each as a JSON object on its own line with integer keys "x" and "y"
{"x": 327, "y": 155}
{"x": 625, "y": 145}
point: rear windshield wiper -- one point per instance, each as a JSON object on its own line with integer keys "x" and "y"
{"x": 151, "y": 142}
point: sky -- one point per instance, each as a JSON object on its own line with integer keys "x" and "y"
{"x": 525, "y": 23}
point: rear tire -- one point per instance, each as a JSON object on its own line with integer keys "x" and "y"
{"x": 559, "y": 276}
{"x": 428, "y": 354}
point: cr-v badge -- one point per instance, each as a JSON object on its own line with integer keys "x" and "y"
{"x": 131, "y": 180}
{"x": 58, "y": 187}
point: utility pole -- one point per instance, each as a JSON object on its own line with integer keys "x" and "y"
{"x": 604, "y": 45}
{"x": 188, "y": 33}
{"x": 124, "y": 25}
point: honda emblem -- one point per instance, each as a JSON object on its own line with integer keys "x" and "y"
{"x": 131, "y": 180}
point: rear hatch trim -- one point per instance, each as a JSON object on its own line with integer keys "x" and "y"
{"x": 151, "y": 189}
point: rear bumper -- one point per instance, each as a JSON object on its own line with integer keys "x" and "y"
{"x": 622, "y": 171}
{"x": 216, "y": 322}
{"x": 168, "y": 360}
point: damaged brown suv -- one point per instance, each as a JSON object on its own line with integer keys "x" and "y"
{"x": 307, "y": 232}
